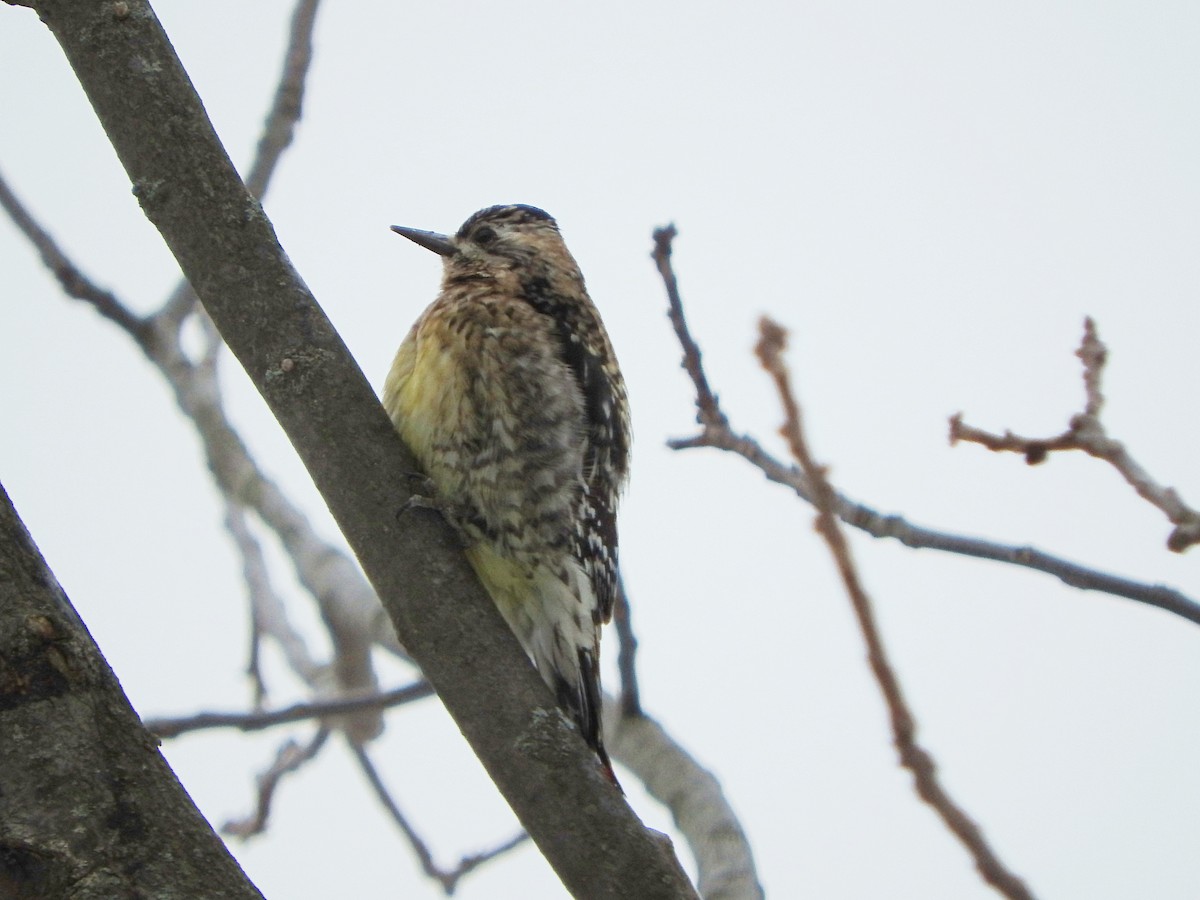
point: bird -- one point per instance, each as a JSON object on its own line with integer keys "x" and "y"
{"x": 508, "y": 392}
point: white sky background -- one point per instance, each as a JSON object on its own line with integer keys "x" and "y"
{"x": 931, "y": 195}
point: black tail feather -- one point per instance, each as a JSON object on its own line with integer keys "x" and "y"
{"x": 585, "y": 705}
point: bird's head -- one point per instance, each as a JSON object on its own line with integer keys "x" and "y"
{"x": 510, "y": 245}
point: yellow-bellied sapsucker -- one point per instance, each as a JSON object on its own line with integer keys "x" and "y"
{"x": 508, "y": 392}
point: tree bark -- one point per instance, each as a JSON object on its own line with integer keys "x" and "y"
{"x": 227, "y": 248}
{"x": 88, "y": 806}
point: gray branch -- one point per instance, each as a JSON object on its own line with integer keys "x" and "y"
{"x": 62, "y": 713}
{"x": 693, "y": 794}
{"x": 228, "y": 251}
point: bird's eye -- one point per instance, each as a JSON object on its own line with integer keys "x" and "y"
{"x": 485, "y": 235}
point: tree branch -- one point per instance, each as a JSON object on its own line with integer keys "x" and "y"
{"x": 227, "y": 249}
{"x": 448, "y": 878}
{"x": 280, "y": 126}
{"x": 290, "y": 758}
{"x": 74, "y": 283}
{"x": 914, "y": 757}
{"x": 631, "y": 695}
{"x": 262, "y": 719}
{"x": 278, "y": 130}
{"x": 63, "y": 713}
{"x": 724, "y": 859}
{"x": 1086, "y": 432}
{"x": 718, "y": 434}
{"x": 347, "y": 603}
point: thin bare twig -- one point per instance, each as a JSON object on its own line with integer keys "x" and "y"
{"x": 708, "y": 409}
{"x": 278, "y": 130}
{"x": 913, "y": 756}
{"x": 722, "y": 437}
{"x": 280, "y": 126}
{"x": 290, "y": 758}
{"x": 631, "y": 699}
{"x": 268, "y": 612}
{"x": 1086, "y": 432}
{"x": 259, "y": 720}
{"x": 448, "y": 878}
{"x": 72, "y": 280}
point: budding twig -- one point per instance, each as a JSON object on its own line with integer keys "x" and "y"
{"x": 914, "y": 757}
{"x": 717, "y": 433}
{"x": 1086, "y": 432}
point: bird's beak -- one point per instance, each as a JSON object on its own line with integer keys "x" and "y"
{"x": 430, "y": 240}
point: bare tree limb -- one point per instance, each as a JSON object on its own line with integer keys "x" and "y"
{"x": 914, "y": 757}
{"x": 1086, "y": 432}
{"x": 280, "y": 126}
{"x": 74, "y": 283}
{"x": 718, "y": 434}
{"x": 724, "y": 859}
{"x": 708, "y": 410}
{"x": 226, "y": 247}
{"x": 262, "y": 719}
{"x": 631, "y": 698}
{"x": 347, "y": 603}
{"x": 448, "y": 878}
{"x": 133, "y": 832}
{"x": 268, "y": 613}
{"x": 278, "y": 131}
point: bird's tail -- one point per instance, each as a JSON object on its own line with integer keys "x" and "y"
{"x": 556, "y": 624}
{"x": 581, "y": 698}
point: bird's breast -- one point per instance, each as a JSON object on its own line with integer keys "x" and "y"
{"x": 480, "y": 393}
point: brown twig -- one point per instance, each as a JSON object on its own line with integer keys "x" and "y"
{"x": 448, "y": 878}
{"x": 722, "y": 437}
{"x": 1087, "y": 433}
{"x": 259, "y": 720}
{"x": 290, "y": 757}
{"x": 913, "y": 756}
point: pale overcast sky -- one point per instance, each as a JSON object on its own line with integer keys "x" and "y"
{"x": 932, "y": 196}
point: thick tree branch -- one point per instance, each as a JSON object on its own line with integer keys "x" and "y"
{"x": 914, "y": 757}
{"x": 278, "y": 131}
{"x": 1086, "y": 432}
{"x": 132, "y": 832}
{"x": 227, "y": 249}
{"x": 718, "y": 434}
{"x": 347, "y": 603}
{"x": 724, "y": 860}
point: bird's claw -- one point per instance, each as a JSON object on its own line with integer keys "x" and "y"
{"x": 424, "y": 496}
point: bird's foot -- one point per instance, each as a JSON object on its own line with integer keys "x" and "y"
{"x": 425, "y": 496}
